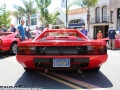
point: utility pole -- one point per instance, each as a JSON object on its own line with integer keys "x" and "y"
{"x": 66, "y": 15}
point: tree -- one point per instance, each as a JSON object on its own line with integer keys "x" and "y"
{"x": 5, "y": 16}
{"x": 85, "y": 3}
{"x": 27, "y": 10}
{"x": 18, "y": 15}
{"x": 45, "y": 16}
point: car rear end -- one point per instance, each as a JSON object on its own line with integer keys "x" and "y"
{"x": 62, "y": 55}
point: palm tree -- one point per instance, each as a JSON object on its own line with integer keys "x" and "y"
{"x": 27, "y": 10}
{"x": 18, "y": 15}
{"x": 46, "y": 17}
{"x": 85, "y": 3}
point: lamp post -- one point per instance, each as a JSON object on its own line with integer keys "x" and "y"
{"x": 66, "y": 15}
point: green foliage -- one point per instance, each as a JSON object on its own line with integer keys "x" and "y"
{"x": 46, "y": 17}
{"x": 87, "y": 4}
{"x": 27, "y": 10}
{"x": 84, "y": 3}
{"x": 5, "y": 16}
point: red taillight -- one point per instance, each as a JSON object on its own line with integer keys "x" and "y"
{"x": 100, "y": 50}
{"x": 22, "y": 50}
{"x": 0, "y": 41}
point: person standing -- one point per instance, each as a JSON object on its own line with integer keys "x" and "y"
{"x": 4, "y": 29}
{"x": 28, "y": 34}
{"x": 37, "y": 33}
{"x": 46, "y": 27}
{"x": 99, "y": 35}
{"x": 13, "y": 29}
{"x": 84, "y": 31}
{"x": 21, "y": 31}
{"x": 25, "y": 32}
{"x": 111, "y": 35}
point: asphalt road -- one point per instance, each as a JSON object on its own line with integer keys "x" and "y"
{"x": 108, "y": 78}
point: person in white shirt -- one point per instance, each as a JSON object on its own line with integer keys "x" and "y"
{"x": 37, "y": 33}
{"x": 46, "y": 27}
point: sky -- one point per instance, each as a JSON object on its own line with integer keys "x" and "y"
{"x": 10, "y": 3}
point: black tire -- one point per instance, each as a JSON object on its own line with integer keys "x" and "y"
{"x": 95, "y": 69}
{"x": 28, "y": 70}
{"x": 13, "y": 49}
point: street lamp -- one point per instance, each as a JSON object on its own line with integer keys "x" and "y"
{"x": 66, "y": 15}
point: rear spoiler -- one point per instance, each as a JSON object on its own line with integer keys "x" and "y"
{"x": 60, "y": 43}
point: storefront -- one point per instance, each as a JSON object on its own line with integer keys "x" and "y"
{"x": 103, "y": 29}
{"x": 118, "y": 19}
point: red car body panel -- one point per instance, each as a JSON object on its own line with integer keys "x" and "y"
{"x": 117, "y": 40}
{"x": 27, "y": 60}
{"x": 6, "y": 41}
{"x": 95, "y": 60}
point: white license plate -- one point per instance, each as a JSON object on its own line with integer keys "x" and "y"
{"x": 61, "y": 62}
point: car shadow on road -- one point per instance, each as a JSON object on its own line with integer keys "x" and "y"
{"x": 4, "y": 55}
{"x": 93, "y": 78}
{"x": 116, "y": 49}
{"x": 35, "y": 79}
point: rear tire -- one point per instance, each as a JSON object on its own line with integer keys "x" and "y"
{"x": 28, "y": 69}
{"x": 13, "y": 49}
{"x": 95, "y": 69}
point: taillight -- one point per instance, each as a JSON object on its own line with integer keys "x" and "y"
{"x": 25, "y": 50}
{"x": 0, "y": 41}
{"x": 100, "y": 50}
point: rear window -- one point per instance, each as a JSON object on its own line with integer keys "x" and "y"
{"x": 62, "y": 34}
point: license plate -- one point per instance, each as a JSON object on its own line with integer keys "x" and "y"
{"x": 61, "y": 62}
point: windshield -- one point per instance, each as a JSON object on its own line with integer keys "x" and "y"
{"x": 61, "y": 34}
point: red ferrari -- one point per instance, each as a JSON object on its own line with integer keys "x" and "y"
{"x": 117, "y": 41}
{"x": 62, "y": 50}
{"x": 8, "y": 42}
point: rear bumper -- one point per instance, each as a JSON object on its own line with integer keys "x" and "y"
{"x": 76, "y": 62}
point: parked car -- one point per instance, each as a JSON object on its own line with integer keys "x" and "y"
{"x": 8, "y": 42}
{"x": 62, "y": 50}
{"x": 117, "y": 41}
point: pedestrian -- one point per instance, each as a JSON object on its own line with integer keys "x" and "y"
{"x": 28, "y": 34}
{"x": 21, "y": 31}
{"x": 84, "y": 31}
{"x": 99, "y": 35}
{"x": 111, "y": 35}
{"x": 46, "y": 27}
{"x": 13, "y": 29}
{"x": 37, "y": 33}
{"x": 41, "y": 30}
{"x": 25, "y": 32}
{"x": 4, "y": 29}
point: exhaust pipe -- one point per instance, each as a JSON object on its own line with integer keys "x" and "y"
{"x": 38, "y": 64}
{"x": 46, "y": 71}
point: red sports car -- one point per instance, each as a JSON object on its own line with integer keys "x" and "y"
{"x": 117, "y": 41}
{"x": 8, "y": 42}
{"x": 62, "y": 50}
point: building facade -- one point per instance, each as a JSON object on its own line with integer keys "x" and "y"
{"x": 105, "y": 14}
{"x": 76, "y": 18}
{"x": 102, "y": 16}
